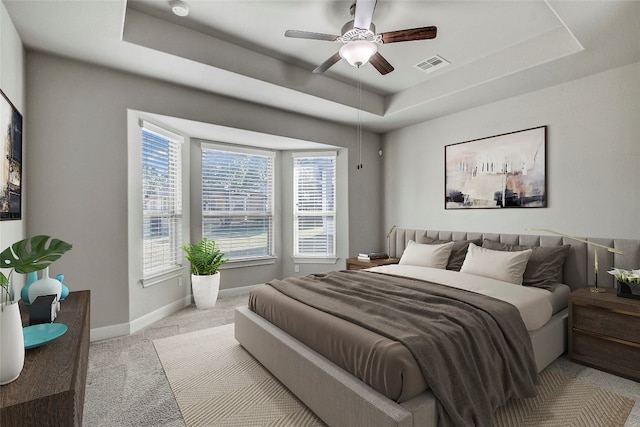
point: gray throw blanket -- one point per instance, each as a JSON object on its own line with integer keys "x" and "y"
{"x": 474, "y": 351}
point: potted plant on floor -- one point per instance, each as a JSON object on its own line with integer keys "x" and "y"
{"x": 205, "y": 258}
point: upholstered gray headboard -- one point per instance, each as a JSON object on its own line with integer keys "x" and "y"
{"x": 579, "y": 268}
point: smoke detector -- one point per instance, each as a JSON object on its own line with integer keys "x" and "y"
{"x": 179, "y": 8}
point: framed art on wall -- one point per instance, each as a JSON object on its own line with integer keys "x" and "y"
{"x": 502, "y": 171}
{"x": 11, "y": 160}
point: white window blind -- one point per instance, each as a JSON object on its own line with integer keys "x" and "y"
{"x": 161, "y": 200}
{"x": 314, "y": 204}
{"x": 237, "y": 201}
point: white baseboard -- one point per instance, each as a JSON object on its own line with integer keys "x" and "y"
{"x": 123, "y": 329}
{"x": 106, "y": 332}
{"x": 158, "y": 314}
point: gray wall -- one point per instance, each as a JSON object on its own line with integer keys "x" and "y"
{"x": 593, "y": 158}
{"x": 12, "y": 83}
{"x": 78, "y": 115}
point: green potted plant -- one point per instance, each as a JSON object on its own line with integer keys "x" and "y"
{"x": 628, "y": 282}
{"x": 25, "y": 256}
{"x": 205, "y": 258}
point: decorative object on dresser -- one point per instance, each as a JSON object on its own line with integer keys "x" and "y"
{"x": 37, "y": 335}
{"x": 205, "y": 259}
{"x": 628, "y": 282}
{"x": 44, "y": 286}
{"x": 43, "y": 310}
{"x": 31, "y": 255}
{"x": 604, "y": 332}
{"x": 24, "y": 256}
{"x": 595, "y": 287}
{"x": 11, "y": 342}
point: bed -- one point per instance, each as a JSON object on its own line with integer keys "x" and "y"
{"x": 328, "y": 386}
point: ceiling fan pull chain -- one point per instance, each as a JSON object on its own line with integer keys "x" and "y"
{"x": 359, "y": 131}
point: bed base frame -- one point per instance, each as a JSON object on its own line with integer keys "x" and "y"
{"x": 339, "y": 398}
{"x": 333, "y": 394}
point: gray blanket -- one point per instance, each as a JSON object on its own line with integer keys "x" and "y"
{"x": 474, "y": 351}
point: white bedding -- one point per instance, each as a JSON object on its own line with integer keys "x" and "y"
{"x": 532, "y": 303}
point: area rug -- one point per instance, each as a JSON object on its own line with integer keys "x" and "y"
{"x": 217, "y": 383}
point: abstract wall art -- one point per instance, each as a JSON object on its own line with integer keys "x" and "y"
{"x": 502, "y": 171}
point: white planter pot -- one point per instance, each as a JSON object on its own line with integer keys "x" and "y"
{"x": 205, "y": 290}
{"x": 11, "y": 343}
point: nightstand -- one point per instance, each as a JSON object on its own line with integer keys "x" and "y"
{"x": 604, "y": 332}
{"x": 356, "y": 264}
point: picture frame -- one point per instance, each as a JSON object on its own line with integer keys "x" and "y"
{"x": 501, "y": 171}
{"x": 10, "y": 160}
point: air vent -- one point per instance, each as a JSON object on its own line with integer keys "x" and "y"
{"x": 432, "y": 64}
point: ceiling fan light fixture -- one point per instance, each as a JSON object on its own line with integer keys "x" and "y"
{"x": 179, "y": 8}
{"x": 358, "y": 52}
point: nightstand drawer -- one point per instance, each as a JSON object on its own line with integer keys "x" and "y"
{"x": 606, "y": 322}
{"x": 612, "y": 356}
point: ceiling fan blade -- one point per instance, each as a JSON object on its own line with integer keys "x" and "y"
{"x": 308, "y": 35}
{"x": 364, "y": 13}
{"x": 327, "y": 64}
{"x": 381, "y": 64}
{"x": 408, "y": 35}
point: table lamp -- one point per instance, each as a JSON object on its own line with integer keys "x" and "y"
{"x": 389, "y": 239}
{"x": 595, "y": 288}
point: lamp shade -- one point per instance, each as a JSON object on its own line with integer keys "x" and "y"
{"x": 358, "y": 52}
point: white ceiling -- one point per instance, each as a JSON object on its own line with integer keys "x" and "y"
{"x": 497, "y": 49}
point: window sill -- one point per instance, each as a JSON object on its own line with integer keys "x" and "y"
{"x": 163, "y": 276}
{"x": 314, "y": 260}
{"x": 248, "y": 263}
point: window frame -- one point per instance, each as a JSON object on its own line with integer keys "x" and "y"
{"x": 303, "y": 258}
{"x": 270, "y": 215}
{"x": 174, "y": 267}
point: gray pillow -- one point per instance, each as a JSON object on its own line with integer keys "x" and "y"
{"x": 544, "y": 268}
{"x": 458, "y": 252}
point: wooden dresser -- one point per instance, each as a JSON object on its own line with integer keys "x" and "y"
{"x": 50, "y": 388}
{"x": 356, "y": 264}
{"x": 604, "y": 332}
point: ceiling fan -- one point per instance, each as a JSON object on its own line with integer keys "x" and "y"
{"x": 360, "y": 39}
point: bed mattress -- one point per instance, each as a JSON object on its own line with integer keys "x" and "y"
{"x": 536, "y": 305}
{"x": 384, "y": 364}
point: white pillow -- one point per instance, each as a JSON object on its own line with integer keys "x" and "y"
{"x": 500, "y": 265}
{"x": 435, "y": 256}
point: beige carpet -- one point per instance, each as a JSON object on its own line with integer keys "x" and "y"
{"x": 563, "y": 401}
{"x": 217, "y": 383}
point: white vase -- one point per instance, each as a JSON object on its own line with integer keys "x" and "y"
{"x": 11, "y": 342}
{"x": 205, "y": 290}
{"x": 44, "y": 286}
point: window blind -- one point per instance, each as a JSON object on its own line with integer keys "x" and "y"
{"x": 161, "y": 201}
{"x": 314, "y": 205}
{"x": 237, "y": 201}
